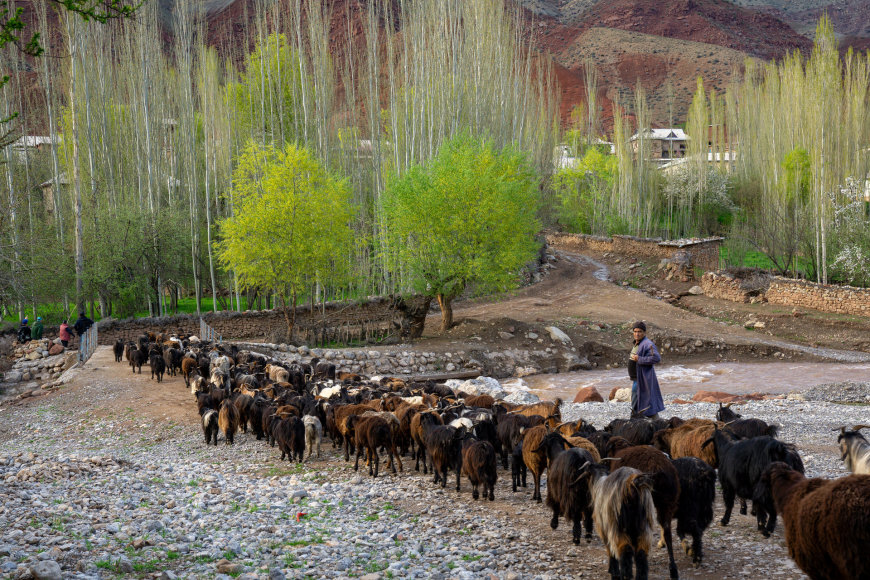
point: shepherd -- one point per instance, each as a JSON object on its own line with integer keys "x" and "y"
{"x": 649, "y": 396}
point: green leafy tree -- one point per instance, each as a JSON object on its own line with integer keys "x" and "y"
{"x": 466, "y": 218}
{"x": 291, "y": 226}
{"x": 584, "y": 191}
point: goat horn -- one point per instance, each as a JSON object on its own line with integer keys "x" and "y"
{"x": 841, "y": 429}
{"x": 858, "y": 427}
{"x": 603, "y": 459}
{"x": 727, "y": 405}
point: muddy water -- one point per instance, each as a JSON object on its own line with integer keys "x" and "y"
{"x": 735, "y": 378}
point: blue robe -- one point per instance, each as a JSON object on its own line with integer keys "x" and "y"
{"x": 649, "y": 396}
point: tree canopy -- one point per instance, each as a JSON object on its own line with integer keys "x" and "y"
{"x": 468, "y": 217}
{"x": 291, "y": 225}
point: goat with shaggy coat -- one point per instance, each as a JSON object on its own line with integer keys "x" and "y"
{"x": 827, "y": 522}
{"x": 741, "y": 464}
{"x": 138, "y": 357}
{"x": 313, "y": 434}
{"x": 763, "y": 507}
{"x": 545, "y": 409}
{"x": 665, "y": 488}
{"x": 624, "y": 513}
{"x": 687, "y": 440}
{"x": 228, "y": 420}
{"x": 188, "y": 367}
{"x": 209, "y": 419}
{"x": 419, "y": 423}
{"x": 854, "y": 450}
{"x": 695, "y": 508}
{"x": 118, "y": 349}
{"x": 535, "y": 455}
{"x": 158, "y": 367}
{"x": 479, "y": 464}
{"x": 290, "y": 436}
{"x": 568, "y": 495}
{"x": 444, "y": 446}
{"x": 509, "y": 432}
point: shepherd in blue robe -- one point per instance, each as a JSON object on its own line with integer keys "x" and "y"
{"x": 649, "y": 395}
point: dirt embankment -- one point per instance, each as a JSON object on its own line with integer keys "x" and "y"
{"x": 595, "y": 298}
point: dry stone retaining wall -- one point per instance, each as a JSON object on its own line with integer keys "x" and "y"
{"x": 701, "y": 253}
{"x": 824, "y": 297}
{"x": 334, "y": 321}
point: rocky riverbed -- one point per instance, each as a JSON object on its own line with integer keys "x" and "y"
{"x": 108, "y": 477}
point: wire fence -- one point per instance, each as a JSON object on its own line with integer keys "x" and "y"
{"x": 208, "y": 333}
{"x": 88, "y": 344}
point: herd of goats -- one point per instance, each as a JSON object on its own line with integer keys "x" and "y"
{"x": 623, "y": 480}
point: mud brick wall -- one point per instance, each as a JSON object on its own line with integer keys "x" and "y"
{"x": 338, "y": 321}
{"x": 823, "y": 297}
{"x": 725, "y": 286}
{"x": 701, "y": 253}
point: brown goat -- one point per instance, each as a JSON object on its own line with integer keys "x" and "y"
{"x": 395, "y": 433}
{"x": 371, "y": 432}
{"x": 827, "y": 522}
{"x": 485, "y": 401}
{"x": 228, "y": 420}
{"x": 188, "y": 365}
{"x": 545, "y": 409}
{"x": 535, "y": 455}
{"x": 686, "y": 440}
{"x": 479, "y": 464}
{"x": 418, "y": 422}
{"x": 584, "y": 443}
{"x": 341, "y": 415}
{"x": 665, "y": 490}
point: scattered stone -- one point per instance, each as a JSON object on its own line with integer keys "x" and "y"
{"x": 55, "y": 349}
{"x": 557, "y": 334}
{"x": 696, "y": 291}
{"x": 47, "y": 570}
{"x": 620, "y": 395}
{"x": 588, "y": 395}
{"x": 505, "y": 335}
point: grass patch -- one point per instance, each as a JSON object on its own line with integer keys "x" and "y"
{"x": 290, "y": 561}
{"x": 470, "y": 558}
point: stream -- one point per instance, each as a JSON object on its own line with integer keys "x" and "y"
{"x": 728, "y": 377}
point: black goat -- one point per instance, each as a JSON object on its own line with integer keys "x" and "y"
{"x": 209, "y": 418}
{"x": 518, "y": 467}
{"x": 118, "y": 349}
{"x": 725, "y": 414}
{"x": 158, "y": 367}
{"x": 695, "y": 509}
{"x": 138, "y": 357}
{"x": 568, "y": 495}
{"x": 443, "y": 443}
{"x": 741, "y": 464}
{"x": 479, "y": 464}
{"x": 290, "y": 436}
{"x": 762, "y": 500}
{"x": 749, "y": 428}
{"x": 509, "y": 431}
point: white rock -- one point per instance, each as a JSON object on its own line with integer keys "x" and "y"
{"x": 482, "y": 386}
{"x": 522, "y": 398}
{"x": 696, "y": 290}
{"x": 557, "y": 334}
{"x": 622, "y": 396}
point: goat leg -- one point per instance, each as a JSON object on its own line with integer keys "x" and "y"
{"x": 669, "y": 542}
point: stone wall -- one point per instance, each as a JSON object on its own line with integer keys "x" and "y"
{"x": 374, "y": 318}
{"x": 701, "y": 253}
{"x": 726, "y": 285}
{"x": 824, "y": 297}
{"x": 761, "y": 286}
